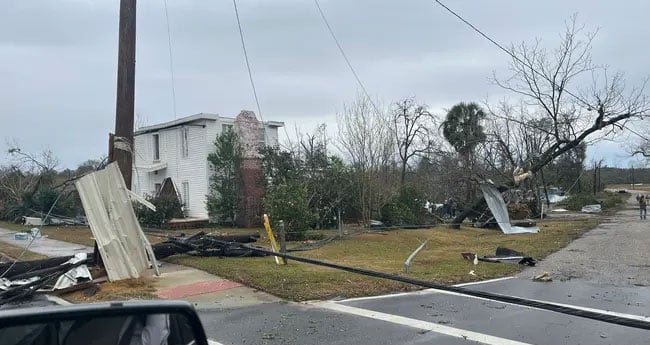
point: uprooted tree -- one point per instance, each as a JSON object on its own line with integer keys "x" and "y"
{"x": 569, "y": 115}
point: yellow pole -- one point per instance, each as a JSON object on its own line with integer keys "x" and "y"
{"x": 269, "y": 233}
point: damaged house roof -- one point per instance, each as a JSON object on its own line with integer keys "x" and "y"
{"x": 193, "y": 118}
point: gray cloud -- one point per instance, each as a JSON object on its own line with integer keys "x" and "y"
{"x": 58, "y": 59}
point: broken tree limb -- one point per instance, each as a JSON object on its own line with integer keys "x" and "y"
{"x": 22, "y": 267}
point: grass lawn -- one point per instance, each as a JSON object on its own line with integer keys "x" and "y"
{"x": 14, "y": 252}
{"x": 440, "y": 261}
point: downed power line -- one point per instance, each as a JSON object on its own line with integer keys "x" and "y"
{"x": 558, "y": 308}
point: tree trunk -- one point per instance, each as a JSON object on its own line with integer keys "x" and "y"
{"x": 478, "y": 204}
{"x": 548, "y": 202}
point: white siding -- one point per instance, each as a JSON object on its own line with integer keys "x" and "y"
{"x": 213, "y": 129}
{"x": 193, "y": 169}
{"x": 190, "y": 169}
{"x": 142, "y": 182}
{"x": 272, "y": 136}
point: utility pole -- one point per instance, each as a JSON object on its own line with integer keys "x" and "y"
{"x": 120, "y": 144}
{"x": 125, "y": 101}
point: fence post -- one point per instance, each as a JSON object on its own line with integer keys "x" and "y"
{"x": 340, "y": 223}
{"x": 283, "y": 241}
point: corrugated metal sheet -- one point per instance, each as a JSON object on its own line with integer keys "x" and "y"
{"x": 121, "y": 242}
{"x": 499, "y": 210}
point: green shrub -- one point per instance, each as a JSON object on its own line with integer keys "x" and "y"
{"x": 405, "y": 208}
{"x": 289, "y": 202}
{"x": 606, "y": 200}
{"x": 167, "y": 207}
{"x": 576, "y": 202}
{"x": 612, "y": 200}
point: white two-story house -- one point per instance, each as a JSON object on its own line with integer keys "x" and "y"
{"x": 179, "y": 150}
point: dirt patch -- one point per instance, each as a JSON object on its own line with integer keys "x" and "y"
{"x": 141, "y": 288}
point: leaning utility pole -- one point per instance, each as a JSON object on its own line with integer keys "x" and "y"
{"x": 125, "y": 103}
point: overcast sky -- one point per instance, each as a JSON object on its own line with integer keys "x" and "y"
{"x": 58, "y": 60}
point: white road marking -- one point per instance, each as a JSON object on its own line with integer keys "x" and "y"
{"x": 601, "y": 311}
{"x": 484, "y": 281}
{"x": 435, "y": 291}
{"x": 424, "y": 325}
{"x": 420, "y": 292}
{"x": 212, "y": 342}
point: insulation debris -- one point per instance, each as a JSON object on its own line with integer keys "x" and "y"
{"x": 596, "y": 208}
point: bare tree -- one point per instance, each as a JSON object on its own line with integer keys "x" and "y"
{"x": 44, "y": 163}
{"x": 512, "y": 139}
{"x": 639, "y": 144}
{"x": 366, "y": 139}
{"x": 546, "y": 81}
{"x": 410, "y": 125}
{"x": 24, "y": 177}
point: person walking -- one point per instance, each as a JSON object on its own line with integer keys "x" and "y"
{"x": 643, "y": 202}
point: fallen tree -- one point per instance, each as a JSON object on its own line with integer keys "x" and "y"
{"x": 566, "y": 119}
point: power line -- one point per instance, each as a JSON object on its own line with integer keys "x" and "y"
{"x": 248, "y": 66}
{"x": 525, "y": 64}
{"x": 171, "y": 61}
{"x": 345, "y": 57}
{"x": 636, "y": 133}
{"x": 520, "y": 301}
{"x": 510, "y": 53}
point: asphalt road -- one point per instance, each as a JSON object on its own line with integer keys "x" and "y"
{"x": 605, "y": 270}
{"x": 429, "y": 316}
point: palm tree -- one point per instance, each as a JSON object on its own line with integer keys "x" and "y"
{"x": 462, "y": 129}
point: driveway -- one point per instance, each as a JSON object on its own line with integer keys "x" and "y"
{"x": 44, "y": 245}
{"x": 613, "y": 254}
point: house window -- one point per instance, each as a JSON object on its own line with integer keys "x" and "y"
{"x": 157, "y": 187}
{"x": 186, "y": 195}
{"x": 156, "y": 147}
{"x": 184, "y": 142}
{"x": 225, "y": 128}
